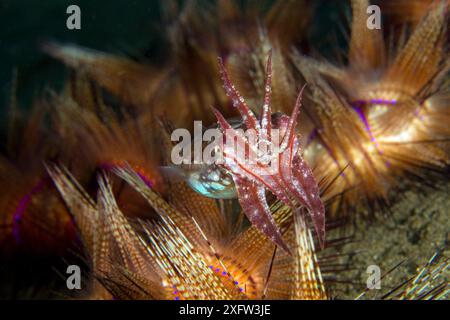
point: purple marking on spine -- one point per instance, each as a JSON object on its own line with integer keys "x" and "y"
{"x": 22, "y": 206}
{"x": 367, "y": 125}
{"x": 175, "y": 292}
{"x": 231, "y": 277}
{"x": 417, "y": 114}
{"x": 311, "y": 136}
{"x": 361, "y": 103}
{"x": 363, "y": 118}
{"x": 147, "y": 181}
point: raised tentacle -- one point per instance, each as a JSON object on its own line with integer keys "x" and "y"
{"x": 258, "y": 212}
{"x": 237, "y": 100}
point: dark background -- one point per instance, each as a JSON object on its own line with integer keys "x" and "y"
{"x": 133, "y": 28}
{"x": 129, "y": 27}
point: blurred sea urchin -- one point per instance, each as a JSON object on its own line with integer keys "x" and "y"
{"x": 89, "y": 169}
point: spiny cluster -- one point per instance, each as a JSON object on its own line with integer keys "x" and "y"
{"x": 378, "y": 115}
{"x": 180, "y": 256}
{"x": 369, "y": 125}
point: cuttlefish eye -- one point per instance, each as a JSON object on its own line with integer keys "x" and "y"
{"x": 212, "y": 181}
{"x": 215, "y": 181}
